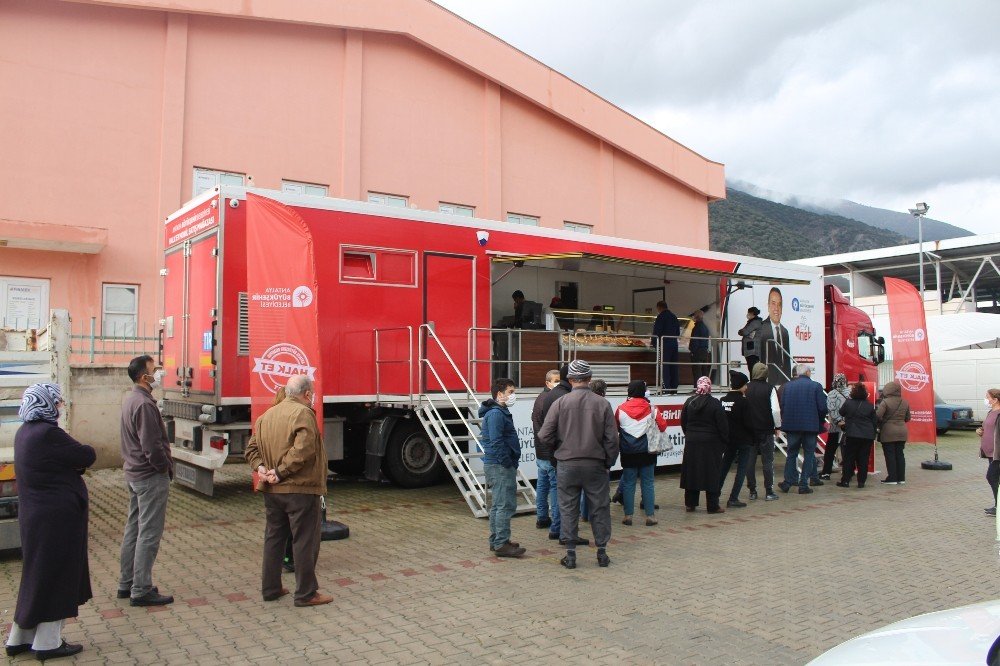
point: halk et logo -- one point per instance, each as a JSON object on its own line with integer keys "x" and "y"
{"x": 302, "y": 297}
{"x": 795, "y": 304}
{"x": 279, "y": 363}
{"x": 912, "y": 376}
{"x": 919, "y": 335}
{"x": 802, "y": 331}
{"x": 910, "y": 335}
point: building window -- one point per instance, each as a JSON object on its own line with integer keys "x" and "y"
{"x": 121, "y": 309}
{"x": 206, "y": 179}
{"x": 456, "y": 209}
{"x": 388, "y": 199}
{"x": 517, "y": 218}
{"x": 310, "y": 189}
{"x": 578, "y": 228}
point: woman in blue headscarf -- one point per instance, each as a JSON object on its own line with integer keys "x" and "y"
{"x": 55, "y": 577}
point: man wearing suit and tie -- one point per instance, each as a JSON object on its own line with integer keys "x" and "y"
{"x": 774, "y": 342}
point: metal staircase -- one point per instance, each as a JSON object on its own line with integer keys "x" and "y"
{"x": 455, "y": 435}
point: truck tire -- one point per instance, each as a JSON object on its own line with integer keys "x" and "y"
{"x": 410, "y": 459}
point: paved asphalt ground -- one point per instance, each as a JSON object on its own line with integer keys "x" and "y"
{"x": 775, "y": 583}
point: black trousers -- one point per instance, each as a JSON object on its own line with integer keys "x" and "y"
{"x": 857, "y": 452}
{"x": 751, "y": 361}
{"x": 895, "y": 461}
{"x": 993, "y": 477}
{"x": 701, "y": 358}
{"x": 833, "y": 440}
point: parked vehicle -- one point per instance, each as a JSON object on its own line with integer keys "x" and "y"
{"x": 952, "y": 417}
{"x": 965, "y": 635}
{"x": 415, "y": 318}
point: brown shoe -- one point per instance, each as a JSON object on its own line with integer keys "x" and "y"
{"x": 283, "y": 592}
{"x": 317, "y": 599}
{"x": 509, "y": 550}
{"x": 652, "y": 521}
{"x": 719, "y": 510}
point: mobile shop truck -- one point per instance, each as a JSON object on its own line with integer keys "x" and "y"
{"x": 415, "y": 315}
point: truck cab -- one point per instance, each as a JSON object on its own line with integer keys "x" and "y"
{"x": 852, "y": 346}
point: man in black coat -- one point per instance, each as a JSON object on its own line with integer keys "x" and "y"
{"x": 740, "y": 436}
{"x": 547, "y": 502}
{"x": 667, "y": 329}
{"x": 765, "y": 416}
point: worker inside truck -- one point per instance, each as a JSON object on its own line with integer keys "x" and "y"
{"x": 613, "y": 335}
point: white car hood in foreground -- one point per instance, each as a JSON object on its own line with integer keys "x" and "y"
{"x": 957, "y": 636}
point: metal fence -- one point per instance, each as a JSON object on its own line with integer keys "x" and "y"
{"x": 111, "y": 342}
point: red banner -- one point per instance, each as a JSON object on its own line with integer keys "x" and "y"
{"x": 911, "y": 357}
{"x": 283, "y": 297}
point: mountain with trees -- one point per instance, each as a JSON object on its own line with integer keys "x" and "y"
{"x": 750, "y": 225}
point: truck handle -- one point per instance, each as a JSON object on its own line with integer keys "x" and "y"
{"x": 159, "y": 347}
{"x": 214, "y": 341}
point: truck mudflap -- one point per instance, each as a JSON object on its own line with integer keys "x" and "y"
{"x": 379, "y": 431}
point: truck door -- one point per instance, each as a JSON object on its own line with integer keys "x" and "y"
{"x": 191, "y": 315}
{"x": 449, "y": 293}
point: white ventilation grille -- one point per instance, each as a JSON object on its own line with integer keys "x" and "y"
{"x": 243, "y": 344}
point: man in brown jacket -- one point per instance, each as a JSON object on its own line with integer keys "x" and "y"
{"x": 287, "y": 452}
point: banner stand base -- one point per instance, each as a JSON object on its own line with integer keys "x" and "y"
{"x": 936, "y": 465}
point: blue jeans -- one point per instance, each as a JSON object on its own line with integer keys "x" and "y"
{"x": 806, "y": 441}
{"x": 645, "y": 478}
{"x": 742, "y": 456}
{"x": 501, "y": 484}
{"x": 547, "y": 495}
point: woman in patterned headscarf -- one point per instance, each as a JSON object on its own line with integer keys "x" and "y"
{"x": 55, "y": 577}
{"x": 706, "y": 435}
{"x": 835, "y": 399}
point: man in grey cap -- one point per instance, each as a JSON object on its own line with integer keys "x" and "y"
{"x": 580, "y": 428}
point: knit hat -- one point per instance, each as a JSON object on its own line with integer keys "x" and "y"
{"x": 579, "y": 369}
{"x": 759, "y": 371}
{"x": 737, "y": 380}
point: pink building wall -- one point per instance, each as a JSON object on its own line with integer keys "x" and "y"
{"x": 106, "y": 108}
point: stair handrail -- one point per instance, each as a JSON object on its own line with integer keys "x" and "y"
{"x": 469, "y": 393}
{"x": 408, "y": 361}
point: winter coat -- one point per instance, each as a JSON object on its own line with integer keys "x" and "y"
{"x": 835, "y": 399}
{"x": 892, "y": 414}
{"x": 765, "y": 410}
{"x": 706, "y": 435}
{"x": 699, "y": 337}
{"x": 581, "y": 426}
{"x": 859, "y": 418}
{"x": 740, "y": 422}
{"x": 633, "y": 417}
{"x": 53, "y": 514}
{"x": 286, "y": 439}
{"x": 537, "y": 419}
{"x": 542, "y": 449}
{"x": 498, "y": 435}
{"x": 989, "y": 443}
{"x": 803, "y": 406}
{"x": 666, "y": 324}
{"x": 750, "y": 334}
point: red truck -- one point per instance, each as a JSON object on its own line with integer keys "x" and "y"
{"x": 416, "y": 317}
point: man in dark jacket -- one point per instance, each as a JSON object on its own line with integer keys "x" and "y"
{"x": 666, "y": 330}
{"x": 501, "y": 455}
{"x": 803, "y": 410}
{"x": 581, "y": 429}
{"x": 558, "y": 391}
{"x": 547, "y": 500}
{"x": 148, "y": 471}
{"x": 740, "y": 436}
{"x": 765, "y": 417}
{"x": 750, "y": 332}
{"x": 701, "y": 357}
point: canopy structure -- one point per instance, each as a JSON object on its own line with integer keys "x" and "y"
{"x": 958, "y": 331}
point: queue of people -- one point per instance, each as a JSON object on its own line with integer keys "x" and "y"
{"x": 578, "y": 435}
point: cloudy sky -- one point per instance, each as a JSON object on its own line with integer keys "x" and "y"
{"x": 883, "y": 102}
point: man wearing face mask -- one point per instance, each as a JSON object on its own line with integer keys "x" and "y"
{"x": 148, "y": 471}
{"x": 501, "y": 456}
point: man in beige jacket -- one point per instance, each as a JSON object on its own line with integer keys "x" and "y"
{"x": 287, "y": 452}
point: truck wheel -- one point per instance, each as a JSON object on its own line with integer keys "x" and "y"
{"x": 410, "y": 459}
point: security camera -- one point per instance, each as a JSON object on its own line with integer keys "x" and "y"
{"x": 483, "y": 237}
{"x": 234, "y": 203}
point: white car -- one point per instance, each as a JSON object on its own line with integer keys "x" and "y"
{"x": 966, "y": 635}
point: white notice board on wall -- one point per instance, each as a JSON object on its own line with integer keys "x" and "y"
{"x": 24, "y": 302}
